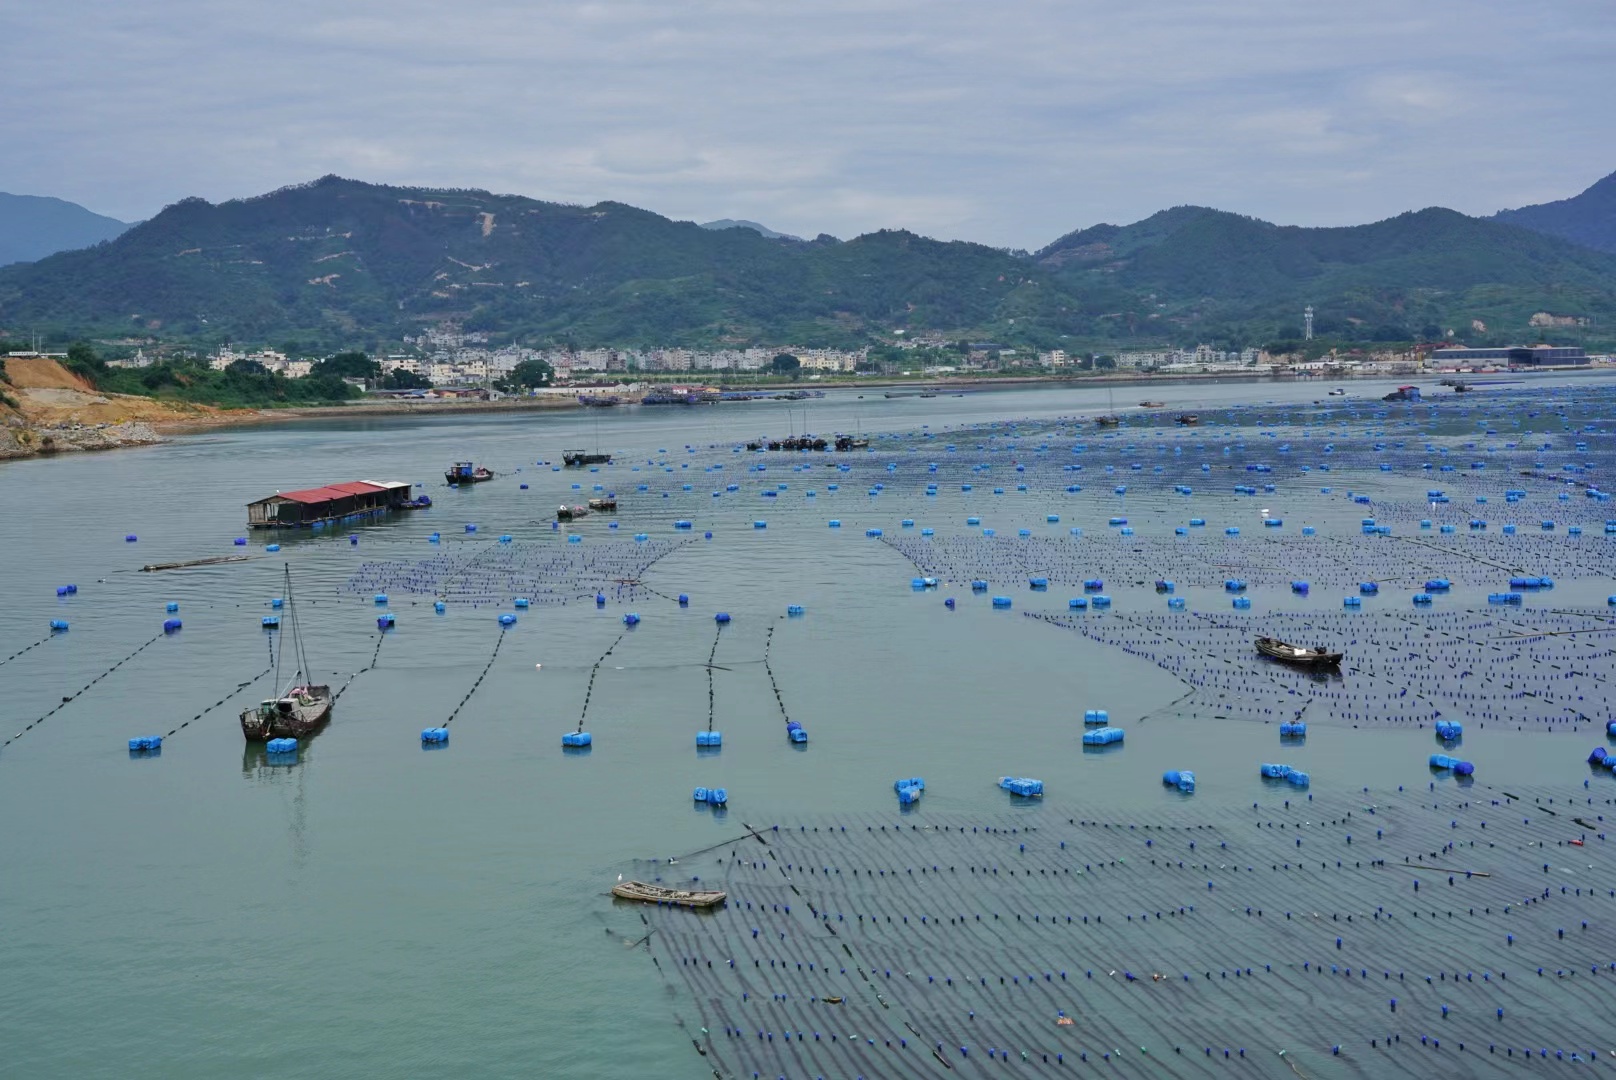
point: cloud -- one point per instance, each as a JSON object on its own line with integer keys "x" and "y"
{"x": 1009, "y": 123}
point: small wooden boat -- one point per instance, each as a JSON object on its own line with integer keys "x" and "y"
{"x": 1108, "y": 421}
{"x": 656, "y": 894}
{"x": 1296, "y": 654}
{"x": 1188, "y": 419}
{"x": 609, "y": 502}
{"x": 569, "y": 513}
{"x": 1151, "y": 404}
{"x": 831, "y": 1000}
{"x": 584, "y": 457}
{"x": 303, "y": 707}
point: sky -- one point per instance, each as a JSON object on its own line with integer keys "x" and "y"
{"x": 1008, "y": 122}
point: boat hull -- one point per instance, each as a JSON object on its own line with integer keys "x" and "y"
{"x": 1286, "y": 653}
{"x": 655, "y": 894}
{"x": 298, "y": 722}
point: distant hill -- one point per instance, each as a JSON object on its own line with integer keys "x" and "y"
{"x": 1434, "y": 267}
{"x": 1588, "y": 219}
{"x": 339, "y": 263}
{"x": 34, "y": 226}
{"x": 742, "y": 223}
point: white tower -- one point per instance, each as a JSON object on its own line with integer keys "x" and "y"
{"x": 1307, "y": 322}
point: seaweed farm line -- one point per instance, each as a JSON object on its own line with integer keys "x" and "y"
{"x": 1035, "y": 803}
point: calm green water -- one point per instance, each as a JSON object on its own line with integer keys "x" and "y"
{"x": 376, "y": 910}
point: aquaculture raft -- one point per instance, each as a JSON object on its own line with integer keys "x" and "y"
{"x": 334, "y": 502}
{"x": 656, "y": 894}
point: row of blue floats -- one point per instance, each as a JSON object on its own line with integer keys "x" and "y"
{"x": 1445, "y": 762}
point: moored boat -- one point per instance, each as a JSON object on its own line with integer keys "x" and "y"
{"x": 608, "y": 502}
{"x": 303, "y": 707}
{"x": 1188, "y": 419}
{"x": 1151, "y": 404}
{"x": 1296, "y": 654}
{"x": 657, "y": 894}
{"x": 584, "y": 457}
{"x": 466, "y": 472}
{"x": 569, "y": 513}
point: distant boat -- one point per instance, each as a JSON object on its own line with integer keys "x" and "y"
{"x": 599, "y": 401}
{"x": 1296, "y": 654}
{"x": 465, "y": 472}
{"x": 570, "y": 513}
{"x": 1338, "y": 392}
{"x": 584, "y": 457}
{"x": 302, "y": 708}
{"x": 1151, "y": 404}
{"x": 657, "y": 894}
{"x": 1108, "y": 421}
{"x": 1188, "y": 419}
{"x": 608, "y": 502}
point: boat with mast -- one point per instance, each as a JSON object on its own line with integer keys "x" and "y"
{"x": 303, "y": 707}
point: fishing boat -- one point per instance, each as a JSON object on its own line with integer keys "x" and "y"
{"x": 1337, "y": 392}
{"x": 599, "y": 401}
{"x": 303, "y": 707}
{"x": 606, "y": 502}
{"x": 1108, "y": 421}
{"x": 584, "y": 457}
{"x": 1295, "y": 654}
{"x": 1188, "y": 419}
{"x": 1151, "y": 404}
{"x": 466, "y": 472}
{"x": 657, "y": 894}
{"x": 570, "y": 513}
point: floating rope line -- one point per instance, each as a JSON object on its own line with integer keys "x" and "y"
{"x": 25, "y": 648}
{"x": 239, "y": 688}
{"x": 768, "y": 643}
{"x": 590, "y": 691}
{"x": 491, "y": 657}
{"x": 71, "y": 697}
{"x": 711, "y": 656}
{"x": 380, "y": 637}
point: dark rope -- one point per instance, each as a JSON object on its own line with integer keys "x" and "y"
{"x": 590, "y": 692}
{"x": 25, "y": 648}
{"x": 491, "y": 656}
{"x": 70, "y": 698}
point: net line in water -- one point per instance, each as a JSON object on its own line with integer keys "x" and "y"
{"x": 1259, "y": 931}
{"x": 70, "y": 698}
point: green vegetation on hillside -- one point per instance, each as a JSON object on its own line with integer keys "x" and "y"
{"x": 337, "y": 264}
{"x": 244, "y": 384}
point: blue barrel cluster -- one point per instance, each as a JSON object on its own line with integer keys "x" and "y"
{"x": 1422, "y": 599}
{"x": 1284, "y": 772}
{"x": 171, "y": 625}
{"x": 1096, "y": 717}
{"x": 1104, "y": 736}
{"x": 1234, "y": 585}
{"x": 521, "y": 602}
{"x": 1293, "y": 729}
{"x": 1001, "y": 601}
{"x": 1448, "y": 730}
{"x": 435, "y": 735}
{"x": 1368, "y": 588}
{"x": 798, "y": 609}
{"x": 68, "y": 590}
{"x": 145, "y": 743}
{"x": 909, "y": 789}
{"x": 631, "y": 619}
{"x": 576, "y": 739}
{"x": 1078, "y": 603}
{"x": 1600, "y": 758}
{"x": 1093, "y": 584}
{"x": 1024, "y": 786}
{"x": 384, "y": 621}
{"x": 1445, "y": 762}
{"x": 1505, "y": 598}
{"x": 721, "y": 617}
{"x": 1182, "y": 779}
{"x": 1300, "y": 588}
{"x": 1242, "y": 603}
{"x": 1352, "y": 602}
{"x": 507, "y": 619}
{"x": 281, "y": 746}
{"x": 710, "y": 738}
{"x": 1440, "y": 584}
{"x": 1038, "y": 583}
{"x": 711, "y": 796}
{"x": 795, "y": 732}
{"x": 1523, "y": 582}
{"x": 58, "y": 625}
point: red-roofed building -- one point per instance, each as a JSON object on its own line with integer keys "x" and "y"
{"x": 322, "y": 505}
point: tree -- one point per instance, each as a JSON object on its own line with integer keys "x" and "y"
{"x": 247, "y": 367}
{"x": 531, "y": 373}
{"x": 400, "y": 379}
{"x": 785, "y": 364}
{"x": 83, "y": 362}
{"x": 347, "y": 365}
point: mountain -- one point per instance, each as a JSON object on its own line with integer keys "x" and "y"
{"x": 742, "y": 223}
{"x": 1588, "y": 219}
{"x": 34, "y": 226}
{"x": 340, "y": 263}
{"x": 1429, "y": 268}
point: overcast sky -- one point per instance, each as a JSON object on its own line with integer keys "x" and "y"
{"x": 1004, "y": 121}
